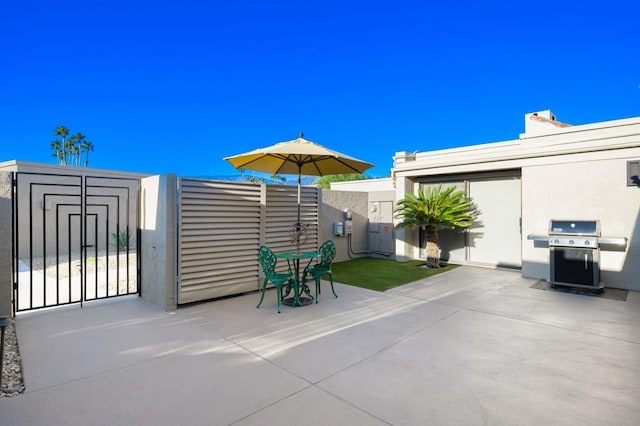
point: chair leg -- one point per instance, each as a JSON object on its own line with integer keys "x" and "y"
{"x": 264, "y": 288}
{"x": 317, "y": 280}
{"x": 332, "y": 290}
{"x": 278, "y": 294}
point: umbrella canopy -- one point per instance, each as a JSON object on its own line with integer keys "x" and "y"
{"x": 298, "y": 157}
{"x": 301, "y": 157}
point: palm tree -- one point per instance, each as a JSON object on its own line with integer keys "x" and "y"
{"x": 71, "y": 151}
{"x": 278, "y": 178}
{"x": 76, "y": 148}
{"x": 81, "y": 148}
{"x": 57, "y": 151}
{"x": 86, "y": 146}
{"x": 434, "y": 209}
{"x": 60, "y": 147}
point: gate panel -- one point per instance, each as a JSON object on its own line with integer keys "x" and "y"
{"x": 110, "y": 235}
{"x": 48, "y": 239}
{"x": 63, "y": 232}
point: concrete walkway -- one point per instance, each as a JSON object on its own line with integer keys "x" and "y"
{"x": 471, "y": 346}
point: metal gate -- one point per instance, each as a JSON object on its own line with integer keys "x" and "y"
{"x": 75, "y": 239}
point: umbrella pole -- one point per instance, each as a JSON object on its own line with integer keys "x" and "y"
{"x": 298, "y": 224}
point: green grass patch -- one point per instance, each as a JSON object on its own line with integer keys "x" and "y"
{"x": 382, "y": 274}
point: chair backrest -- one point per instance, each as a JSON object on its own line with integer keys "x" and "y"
{"x": 327, "y": 253}
{"x": 268, "y": 260}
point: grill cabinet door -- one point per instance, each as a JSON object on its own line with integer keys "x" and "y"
{"x": 573, "y": 266}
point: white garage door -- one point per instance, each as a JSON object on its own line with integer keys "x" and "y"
{"x": 495, "y": 238}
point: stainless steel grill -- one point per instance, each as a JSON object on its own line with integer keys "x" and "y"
{"x": 574, "y": 252}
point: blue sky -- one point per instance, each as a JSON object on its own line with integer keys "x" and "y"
{"x": 173, "y": 87}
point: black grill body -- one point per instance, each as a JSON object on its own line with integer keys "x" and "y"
{"x": 574, "y": 255}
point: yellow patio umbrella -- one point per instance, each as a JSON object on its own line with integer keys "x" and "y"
{"x": 301, "y": 157}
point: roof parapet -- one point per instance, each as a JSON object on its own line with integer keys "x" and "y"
{"x": 541, "y": 123}
{"x": 404, "y": 156}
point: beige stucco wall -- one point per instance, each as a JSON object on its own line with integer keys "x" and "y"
{"x": 406, "y": 239}
{"x": 32, "y": 167}
{"x": 332, "y": 210}
{"x": 383, "y": 196}
{"x": 5, "y": 244}
{"x": 158, "y": 246}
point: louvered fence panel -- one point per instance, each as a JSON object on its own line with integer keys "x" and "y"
{"x": 222, "y": 225}
{"x": 281, "y": 216}
{"x": 218, "y": 240}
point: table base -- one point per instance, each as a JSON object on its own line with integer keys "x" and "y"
{"x": 302, "y": 300}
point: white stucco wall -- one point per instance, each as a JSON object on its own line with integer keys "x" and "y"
{"x": 577, "y": 172}
{"x": 583, "y": 190}
{"x": 365, "y": 185}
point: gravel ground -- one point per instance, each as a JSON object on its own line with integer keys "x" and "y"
{"x": 100, "y": 263}
{"x": 12, "y": 383}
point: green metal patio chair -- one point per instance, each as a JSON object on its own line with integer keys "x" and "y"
{"x": 323, "y": 267}
{"x": 268, "y": 261}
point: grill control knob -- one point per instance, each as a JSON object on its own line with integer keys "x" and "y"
{"x": 556, "y": 241}
{"x": 570, "y": 241}
{"x": 587, "y": 242}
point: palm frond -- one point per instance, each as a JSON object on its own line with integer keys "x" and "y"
{"x": 435, "y": 207}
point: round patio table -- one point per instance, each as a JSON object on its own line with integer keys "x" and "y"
{"x": 293, "y": 260}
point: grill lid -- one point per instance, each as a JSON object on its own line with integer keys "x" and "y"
{"x": 574, "y": 227}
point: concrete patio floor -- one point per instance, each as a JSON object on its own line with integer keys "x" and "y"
{"x": 469, "y": 346}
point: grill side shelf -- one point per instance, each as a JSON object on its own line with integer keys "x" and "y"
{"x": 539, "y": 241}
{"x": 613, "y": 243}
